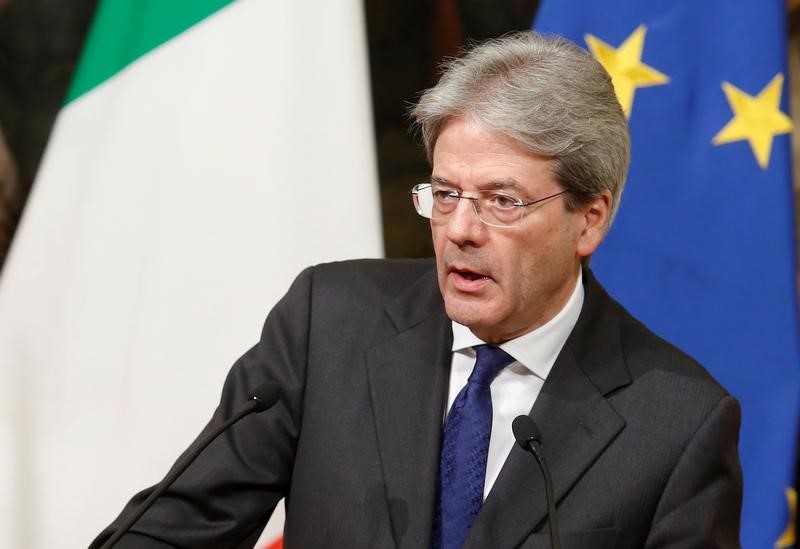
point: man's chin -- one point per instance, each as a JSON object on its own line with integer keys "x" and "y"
{"x": 472, "y": 313}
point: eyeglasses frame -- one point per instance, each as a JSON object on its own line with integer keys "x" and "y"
{"x": 474, "y": 199}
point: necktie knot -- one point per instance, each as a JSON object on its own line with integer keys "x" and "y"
{"x": 490, "y": 361}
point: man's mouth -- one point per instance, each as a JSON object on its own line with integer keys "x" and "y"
{"x": 467, "y": 279}
{"x": 469, "y": 275}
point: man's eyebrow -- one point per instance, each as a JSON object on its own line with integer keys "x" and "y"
{"x": 507, "y": 183}
{"x": 440, "y": 180}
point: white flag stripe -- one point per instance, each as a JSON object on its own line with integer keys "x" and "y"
{"x": 174, "y": 205}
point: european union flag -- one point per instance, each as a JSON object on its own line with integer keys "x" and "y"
{"x": 703, "y": 249}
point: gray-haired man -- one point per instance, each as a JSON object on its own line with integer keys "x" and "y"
{"x": 400, "y": 379}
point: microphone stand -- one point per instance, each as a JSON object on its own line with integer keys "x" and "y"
{"x": 529, "y": 438}
{"x": 264, "y": 397}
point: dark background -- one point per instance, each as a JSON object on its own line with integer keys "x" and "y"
{"x": 39, "y": 44}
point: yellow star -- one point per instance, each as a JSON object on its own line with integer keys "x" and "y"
{"x": 757, "y": 119}
{"x": 788, "y": 537}
{"x": 625, "y": 66}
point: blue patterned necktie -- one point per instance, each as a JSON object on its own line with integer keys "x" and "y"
{"x": 465, "y": 446}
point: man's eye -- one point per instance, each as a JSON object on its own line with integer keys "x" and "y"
{"x": 503, "y": 201}
{"x": 445, "y": 196}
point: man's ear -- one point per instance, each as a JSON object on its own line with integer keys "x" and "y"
{"x": 595, "y": 216}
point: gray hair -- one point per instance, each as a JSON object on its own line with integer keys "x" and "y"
{"x": 549, "y": 95}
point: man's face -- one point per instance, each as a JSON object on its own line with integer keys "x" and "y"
{"x": 504, "y": 282}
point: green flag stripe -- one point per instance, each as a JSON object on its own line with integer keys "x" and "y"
{"x": 124, "y": 30}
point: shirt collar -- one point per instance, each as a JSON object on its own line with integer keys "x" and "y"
{"x": 536, "y": 350}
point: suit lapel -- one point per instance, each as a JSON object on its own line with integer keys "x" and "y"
{"x": 408, "y": 383}
{"x": 576, "y": 421}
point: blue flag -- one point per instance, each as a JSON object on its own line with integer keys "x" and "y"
{"x": 703, "y": 249}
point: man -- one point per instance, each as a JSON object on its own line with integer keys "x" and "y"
{"x": 399, "y": 380}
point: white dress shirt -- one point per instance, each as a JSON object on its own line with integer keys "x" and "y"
{"x": 516, "y": 387}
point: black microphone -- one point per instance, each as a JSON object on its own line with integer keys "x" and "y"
{"x": 262, "y": 398}
{"x": 530, "y": 439}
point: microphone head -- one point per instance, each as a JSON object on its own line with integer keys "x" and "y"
{"x": 526, "y": 431}
{"x": 265, "y": 396}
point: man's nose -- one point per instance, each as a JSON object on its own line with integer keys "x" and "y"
{"x": 464, "y": 225}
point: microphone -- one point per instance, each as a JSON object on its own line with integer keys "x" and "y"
{"x": 262, "y": 398}
{"x": 530, "y": 439}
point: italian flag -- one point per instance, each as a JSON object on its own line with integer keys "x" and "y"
{"x": 208, "y": 150}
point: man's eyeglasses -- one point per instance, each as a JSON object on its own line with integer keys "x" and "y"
{"x": 493, "y": 208}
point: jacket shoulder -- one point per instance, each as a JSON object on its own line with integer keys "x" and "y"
{"x": 646, "y": 351}
{"x": 381, "y": 269}
{"x": 376, "y": 281}
{"x": 646, "y": 354}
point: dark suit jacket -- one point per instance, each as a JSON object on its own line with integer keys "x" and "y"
{"x": 641, "y": 441}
